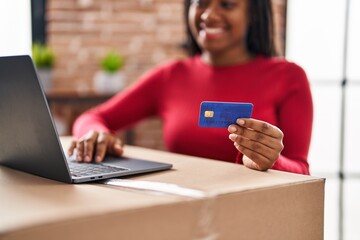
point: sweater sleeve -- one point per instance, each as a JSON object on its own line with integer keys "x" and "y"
{"x": 295, "y": 114}
{"x": 291, "y": 165}
{"x": 124, "y": 109}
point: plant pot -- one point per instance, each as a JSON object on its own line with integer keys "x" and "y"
{"x": 105, "y": 82}
{"x": 45, "y": 77}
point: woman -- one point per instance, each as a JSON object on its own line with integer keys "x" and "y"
{"x": 230, "y": 43}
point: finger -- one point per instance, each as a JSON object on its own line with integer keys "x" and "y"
{"x": 116, "y": 148}
{"x": 101, "y": 147}
{"x": 253, "y": 159}
{"x": 256, "y": 147}
{"x": 256, "y": 136}
{"x": 80, "y": 150}
{"x": 72, "y": 147}
{"x": 260, "y": 126}
{"x": 253, "y": 165}
{"x": 89, "y": 145}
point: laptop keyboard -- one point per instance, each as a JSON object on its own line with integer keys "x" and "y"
{"x": 88, "y": 169}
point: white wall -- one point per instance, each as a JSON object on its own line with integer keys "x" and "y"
{"x": 316, "y": 41}
{"x": 15, "y": 27}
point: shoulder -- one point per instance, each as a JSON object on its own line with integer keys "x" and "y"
{"x": 167, "y": 71}
{"x": 280, "y": 64}
{"x": 283, "y": 70}
{"x": 171, "y": 69}
{"x": 287, "y": 75}
{"x": 177, "y": 64}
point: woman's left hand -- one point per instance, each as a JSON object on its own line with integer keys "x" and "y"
{"x": 260, "y": 142}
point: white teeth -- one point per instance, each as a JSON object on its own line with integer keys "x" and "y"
{"x": 213, "y": 30}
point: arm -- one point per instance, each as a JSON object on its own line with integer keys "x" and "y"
{"x": 295, "y": 120}
{"x": 95, "y": 129}
{"x": 262, "y": 146}
{"x": 123, "y": 110}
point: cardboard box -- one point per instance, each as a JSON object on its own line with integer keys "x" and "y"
{"x": 234, "y": 203}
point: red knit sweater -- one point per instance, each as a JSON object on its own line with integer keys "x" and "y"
{"x": 278, "y": 89}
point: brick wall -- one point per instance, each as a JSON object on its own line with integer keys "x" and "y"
{"x": 279, "y": 9}
{"x": 146, "y": 32}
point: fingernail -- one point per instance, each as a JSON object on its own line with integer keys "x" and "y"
{"x": 87, "y": 159}
{"x": 98, "y": 159}
{"x": 232, "y": 137}
{"x": 240, "y": 121}
{"x": 232, "y": 129}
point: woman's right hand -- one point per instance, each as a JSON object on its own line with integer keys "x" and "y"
{"x": 94, "y": 145}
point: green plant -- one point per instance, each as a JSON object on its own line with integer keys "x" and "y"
{"x": 112, "y": 62}
{"x": 43, "y": 56}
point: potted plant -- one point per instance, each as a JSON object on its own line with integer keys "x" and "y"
{"x": 44, "y": 59}
{"x": 110, "y": 79}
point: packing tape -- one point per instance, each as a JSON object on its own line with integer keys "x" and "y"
{"x": 158, "y": 187}
{"x": 205, "y": 229}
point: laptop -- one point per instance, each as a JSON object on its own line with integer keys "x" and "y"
{"x": 29, "y": 141}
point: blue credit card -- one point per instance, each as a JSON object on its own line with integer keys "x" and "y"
{"x": 222, "y": 114}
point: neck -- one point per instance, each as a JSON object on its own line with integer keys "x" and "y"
{"x": 226, "y": 60}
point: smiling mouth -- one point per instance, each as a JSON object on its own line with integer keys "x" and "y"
{"x": 211, "y": 32}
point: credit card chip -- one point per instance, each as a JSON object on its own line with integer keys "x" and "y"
{"x": 209, "y": 114}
